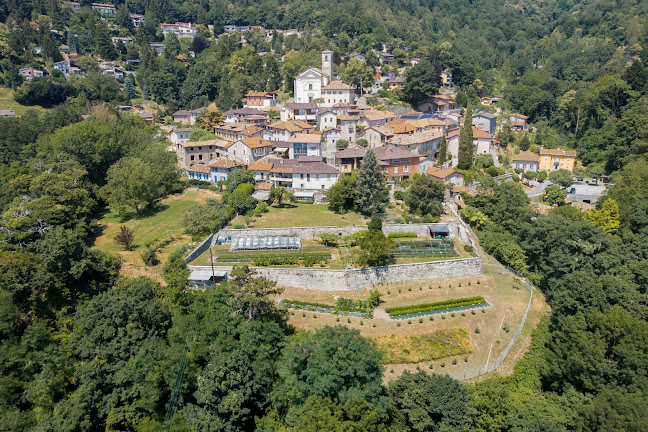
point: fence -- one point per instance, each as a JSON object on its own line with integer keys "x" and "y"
{"x": 491, "y": 367}
{"x": 202, "y": 247}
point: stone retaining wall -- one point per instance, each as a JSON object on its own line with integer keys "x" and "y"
{"x": 341, "y": 280}
{"x": 307, "y": 233}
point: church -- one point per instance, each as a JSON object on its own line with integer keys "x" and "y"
{"x": 317, "y": 85}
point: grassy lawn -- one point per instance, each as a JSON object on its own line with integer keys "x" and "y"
{"x": 166, "y": 218}
{"x": 424, "y": 347}
{"x": 302, "y": 215}
{"x": 7, "y": 102}
{"x": 222, "y": 252}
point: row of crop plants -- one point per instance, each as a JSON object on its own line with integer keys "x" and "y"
{"x": 412, "y": 311}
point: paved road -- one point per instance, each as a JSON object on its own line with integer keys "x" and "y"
{"x": 539, "y": 189}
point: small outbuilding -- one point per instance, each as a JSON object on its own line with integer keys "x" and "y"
{"x": 206, "y": 278}
{"x": 440, "y": 232}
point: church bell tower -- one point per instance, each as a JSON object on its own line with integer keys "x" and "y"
{"x": 327, "y": 64}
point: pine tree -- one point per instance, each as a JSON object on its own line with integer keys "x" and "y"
{"x": 466, "y": 144}
{"x": 103, "y": 42}
{"x": 171, "y": 46}
{"x": 443, "y": 150}
{"x": 273, "y": 73}
{"x": 372, "y": 194}
{"x": 129, "y": 86}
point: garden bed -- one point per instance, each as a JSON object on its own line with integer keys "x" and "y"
{"x": 424, "y": 309}
{"x": 326, "y": 308}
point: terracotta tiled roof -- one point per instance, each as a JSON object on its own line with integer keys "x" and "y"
{"x": 256, "y": 142}
{"x": 260, "y": 166}
{"x": 214, "y": 142}
{"x": 204, "y": 169}
{"x": 415, "y": 138}
{"x": 338, "y": 85}
{"x": 305, "y": 138}
{"x": 441, "y": 173}
{"x": 557, "y": 152}
{"x": 526, "y": 156}
{"x": 229, "y": 162}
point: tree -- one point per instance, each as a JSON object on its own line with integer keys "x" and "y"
{"x": 279, "y": 194}
{"x": 425, "y": 195}
{"x": 103, "y": 42}
{"x": 341, "y": 144}
{"x": 208, "y": 118}
{"x": 333, "y": 362}
{"x": 375, "y": 249}
{"x": 421, "y": 82}
{"x": 443, "y": 150}
{"x": 607, "y": 218}
{"x": 171, "y": 46}
{"x": 372, "y": 194}
{"x": 542, "y": 176}
{"x": 139, "y": 182}
{"x": 484, "y": 161}
{"x": 250, "y": 295}
{"x": 237, "y": 177}
{"x": 342, "y": 195}
{"x": 466, "y": 143}
{"x": 562, "y": 177}
{"x": 554, "y": 195}
{"x": 241, "y": 198}
{"x": 362, "y": 142}
{"x": 129, "y": 87}
{"x": 530, "y": 175}
{"x": 357, "y": 73}
{"x": 431, "y": 402}
{"x": 524, "y": 142}
{"x": 125, "y": 238}
{"x": 199, "y": 134}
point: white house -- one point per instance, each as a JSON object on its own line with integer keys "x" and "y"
{"x": 305, "y": 175}
{"x": 7, "y": 113}
{"x": 301, "y": 144}
{"x": 30, "y": 73}
{"x": 63, "y": 66}
{"x": 482, "y": 142}
{"x": 309, "y": 83}
{"x": 137, "y": 19}
{"x": 330, "y": 136}
{"x": 249, "y": 150}
{"x": 526, "y": 161}
{"x": 181, "y": 29}
{"x": 326, "y": 118}
{"x": 246, "y": 115}
{"x": 284, "y": 130}
{"x": 180, "y": 135}
{"x": 348, "y": 126}
{"x": 338, "y": 92}
{"x": 303, "y": 111}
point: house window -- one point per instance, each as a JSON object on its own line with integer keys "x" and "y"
{"x": 395, "y": 170}
{"x": 405, "y": 169}
{"x": 192, "y": 157}
{"x": 199, "y": 157}
{"x": 310, "y": 86}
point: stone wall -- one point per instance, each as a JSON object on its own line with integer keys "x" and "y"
{"x": 307, "y": 233}
{"x": 342, "y": 280}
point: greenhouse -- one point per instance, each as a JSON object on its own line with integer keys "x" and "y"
{"x": 265, "y": 243}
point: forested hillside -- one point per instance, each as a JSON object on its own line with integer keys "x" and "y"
{"x": 85, "y": 349}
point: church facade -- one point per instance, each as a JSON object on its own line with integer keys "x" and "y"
{"x": 314, "y": 84}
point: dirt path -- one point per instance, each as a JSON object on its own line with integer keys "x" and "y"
{"x": 381, "y": 315}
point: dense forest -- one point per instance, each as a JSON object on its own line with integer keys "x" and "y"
{"x": 84, "y": 348}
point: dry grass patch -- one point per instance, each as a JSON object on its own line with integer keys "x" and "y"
{"x": 424, "y": 347}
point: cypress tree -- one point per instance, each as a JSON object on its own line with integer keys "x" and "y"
{"x": 372, "y": 194}
{"x": 443, "y": 150}
{"x": 466, "y": 144}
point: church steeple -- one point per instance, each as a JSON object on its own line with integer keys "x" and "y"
{"x": 327, "y": 64}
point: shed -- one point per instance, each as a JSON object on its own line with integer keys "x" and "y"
{"x": 206, "y": 278}
{"x": 439, "y": 232}
{"x": 305, "y": 196}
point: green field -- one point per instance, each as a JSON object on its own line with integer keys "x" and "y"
{"x": 7, "y": 102}
{"x": 166, "y": 218}
{"x": 302, "y": 215}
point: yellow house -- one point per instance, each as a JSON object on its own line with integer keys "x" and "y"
{"x": 555, "y": 159}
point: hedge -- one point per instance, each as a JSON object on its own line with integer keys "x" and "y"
{"x": 259, "y": 257}
{"x": 425, "y": 307}
{"x": 401, "y": 234}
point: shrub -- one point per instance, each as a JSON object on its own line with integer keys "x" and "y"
{"x": 409, "y": 289}
{"x": 431, "y": 318}
{"x": 442, "y": 364}
{"x": 454, "y": 361}
{"x": 303, "y": 314}
{"x": 466, "y": 359}
{"x": 398, "y": 324}
{"x": 459, "y": 284}
{"x": 463, "y": 313}
{"x": 409, "y": 321}
{"x": 426, "y": 307}
{"x": 431, "y": 366}
{"x": 149, "y": 257}
{"x": 452, "y": 314}
{"x": 399, "y": 290}
{"x": 337, "y": 319}
{"x": 442, "y": 317}
{"x": 483, "y": 310}
{"x": 477, "y": 330}
{"x": 420, "y": 320}
{"x": 314, "y": 315}
{"x": 468, "y": 248}
{"x": 542, "y": 176}
{"x": 349, "y": 320}
{"x": 407, "y": 234}
{"x": 238, "y": 226}
{"x": 478, "y": 282}
{"x": 373, "y": 325}
{"x": 361, "y": 322}
{"x": 473, "y": 312}
{"x": 399, "y": 195}
{"x": 391, "y": 370}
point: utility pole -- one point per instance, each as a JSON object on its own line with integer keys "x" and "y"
{"x": 211, "y": 259}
